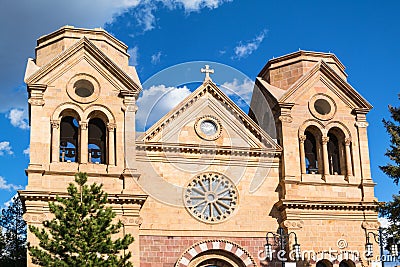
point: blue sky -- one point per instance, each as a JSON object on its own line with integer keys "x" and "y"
{"x": 243, "y": 34}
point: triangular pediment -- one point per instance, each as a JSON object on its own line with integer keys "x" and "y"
{"x": 323, "y": 72}
{"x": 209, "y": 101}
{"x": 83, "y": 50}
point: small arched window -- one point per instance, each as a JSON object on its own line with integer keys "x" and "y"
{"x": 69, "y": 139}
{"x": 311, "y": 155}
{"x": 333, "y": 154}
{"x": 97, "y": 141}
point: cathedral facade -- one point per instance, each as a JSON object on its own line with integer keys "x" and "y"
{"x": 206, "y": 185}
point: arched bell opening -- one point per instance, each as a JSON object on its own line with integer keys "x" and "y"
{"x": 69, "y": 136}
{"x": 97, "y": 141}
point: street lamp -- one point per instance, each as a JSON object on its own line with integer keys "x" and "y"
{"x": 282, "y": 239}
{"x": 378, "y": 238}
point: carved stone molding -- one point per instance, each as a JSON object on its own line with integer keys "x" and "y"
{"x": 111, "y": 126}
{"x": 131, "y": 221}
{"x": 287, "y": 119}
{"x": 130, "y": 104}
{"x": 36, "y": 102}
{"x": 347, "y": 141}
{"x": 83, "y": 125}
{"x": 325, "y": 139}
{"x": 34, "y": 218}
{"x": 55, "y": 124}
{"x": 370, "y": 225}
{"x": 361, "y": 124}
{"x": 302, "y": 138}
{"x": 293, "y": 224}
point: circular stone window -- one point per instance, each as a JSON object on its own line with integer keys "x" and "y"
{"x": 208, "y": 128}
{"x": 322, "y": 107}
{"x": 83, "y": 88}
{"x": 211, "y": 197}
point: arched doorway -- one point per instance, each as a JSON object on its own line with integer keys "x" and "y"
{"x": 215, "y": 253}
{"x": 216, "y": 258}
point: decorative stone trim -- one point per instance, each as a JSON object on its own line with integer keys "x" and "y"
{"x": 55, "y": 124}
{"x": 293, "y": 224}
{"x": 328, "y": 104}
{"x": 326, "y": 205}
{"x": 111, "y": 126}
{"x": 223, "y": 245}
{"x": 88, "y": 79}
{"x": 36, "y": 92}
{"x": 212, "y": 120}
{"x": 112, "y": 198}
{"x": 131, "y": 221}
{"x": 370, "y": 225}
{"x": 34, "y": 217}
{"x": 206, "y": 149}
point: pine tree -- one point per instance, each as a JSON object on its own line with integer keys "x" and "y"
{"x": 391, "y": 209}
{"x": 2, "y": 244}
{"x": 81, "y": 232}
{"x": 14, "y": 234}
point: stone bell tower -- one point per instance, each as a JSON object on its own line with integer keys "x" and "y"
{"x": 325, "y": 180}
{"x": 82, "y": 100}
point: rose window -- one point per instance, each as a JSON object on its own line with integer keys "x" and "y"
{"x": 211, "y": 197}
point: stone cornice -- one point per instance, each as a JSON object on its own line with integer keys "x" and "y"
{"x": 72, "y": 32}
{"x": 326, "y": 205}
{"x": 210, "y": 87}
{"x": 51, "y": 196}
{"x": 298, "y": 56}
{"x": 206, "y": 149}
{"x": 132, "y": 88}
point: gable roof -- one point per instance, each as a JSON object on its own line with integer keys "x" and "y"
{"x": 345, "y": 88}
{"x": 133, "y": 86}
{"x": 210, "y": 87}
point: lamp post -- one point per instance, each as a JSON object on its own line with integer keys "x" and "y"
{"x": 378, "y": 238}
{"x": 282, "y": 239}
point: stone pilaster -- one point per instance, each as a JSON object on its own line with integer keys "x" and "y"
{"x": 130, "y": 131}
{"x": 55, "y": 141}
{"x": 83, "y": 142}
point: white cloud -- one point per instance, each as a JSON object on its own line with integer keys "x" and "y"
{"x": 18, "y": 118}
{"x": 27, "y": 151}
{"x": 384, "y": 222}
{"x": 242, "y": 89}
{"x": 6, "y": 186}
{"x": 245, "y": 49}
{"x": 11, "y": 201}
{"x": 155, "y": 59}
{"x": 5, "y": 148}
{"x": 133, "y": 52}
{"x": 157, "y": 101}
{"x": 194, "y": 5}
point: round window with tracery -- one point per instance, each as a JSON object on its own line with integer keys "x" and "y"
{"x": 211, "y": 197}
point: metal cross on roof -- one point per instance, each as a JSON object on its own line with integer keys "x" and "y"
{"x": 207, "y": 71}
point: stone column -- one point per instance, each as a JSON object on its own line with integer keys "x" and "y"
{"x": 325, "y": 140}
{"x": 55, "y": 141}
{"x": 349, "y": 169}
{"x": 130, "y": 131}
{"x": 83, "y": 142}
{"x": 302, "y": 138}
{"x": 111, "y": 144}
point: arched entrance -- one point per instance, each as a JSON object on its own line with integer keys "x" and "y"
{"x": 215, "y": 253}
{"x": 216, "y": 258}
